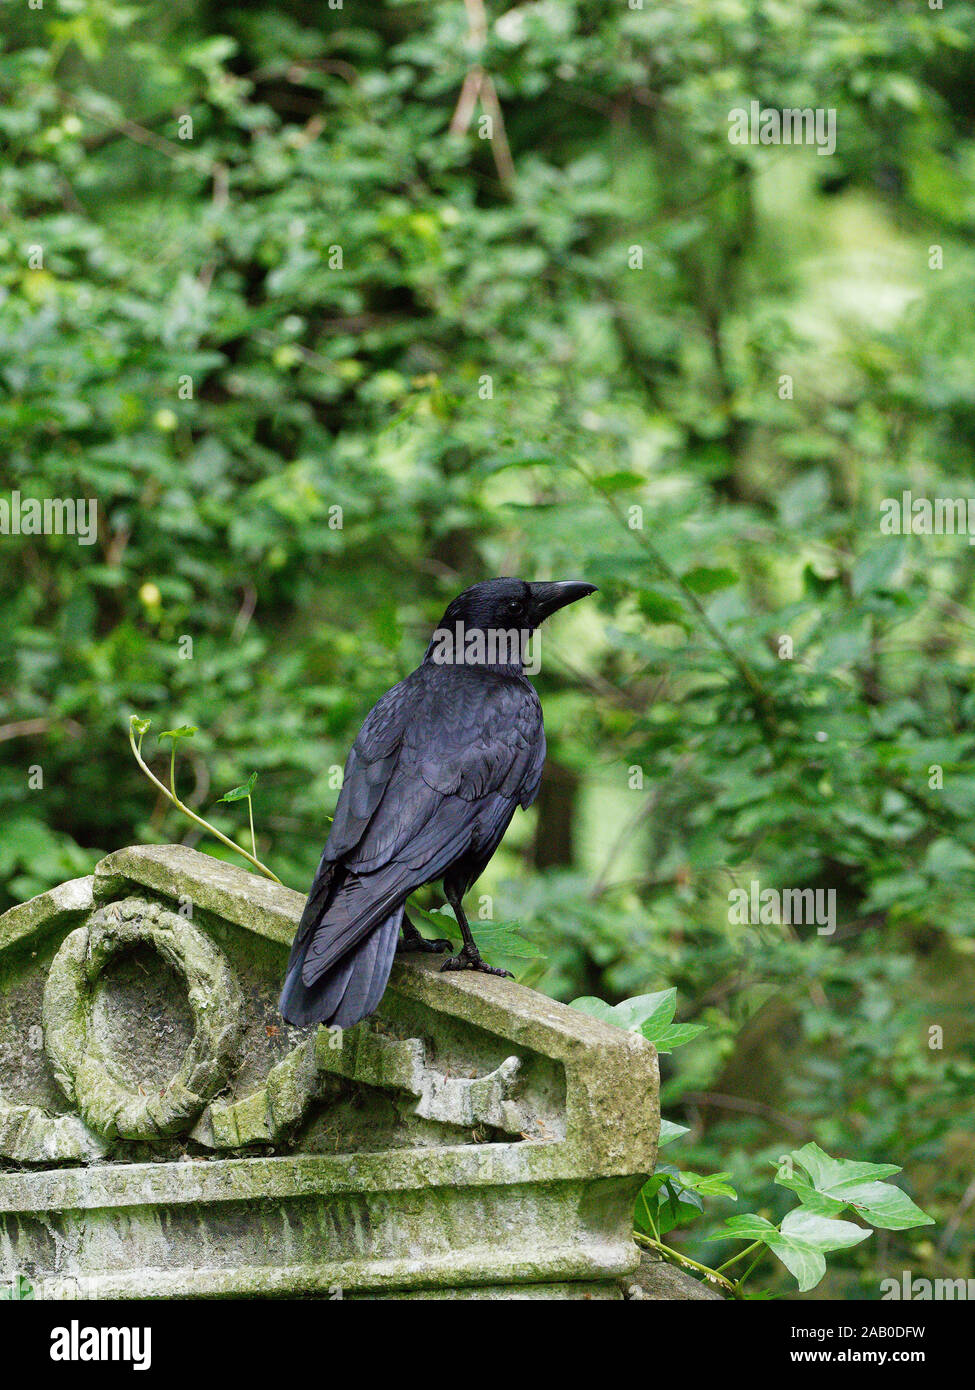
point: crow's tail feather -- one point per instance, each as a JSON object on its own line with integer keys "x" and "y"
{"x": 348, "y": 991}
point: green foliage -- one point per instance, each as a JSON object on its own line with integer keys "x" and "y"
{"x": 801, "y": 1241}
{"x": 18, "y": 1289}
{"x": 673, "y": 1197}
{"x": 503, "y": 939}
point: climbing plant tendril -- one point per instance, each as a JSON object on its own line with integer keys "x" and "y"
{"x": 137, "y": 730}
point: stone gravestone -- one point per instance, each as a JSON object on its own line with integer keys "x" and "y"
{"x": 163, "y": 1133}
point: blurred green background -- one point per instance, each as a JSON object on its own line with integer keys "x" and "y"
{"x": 282, "y": 273}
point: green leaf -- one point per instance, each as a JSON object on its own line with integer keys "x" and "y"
{"x": 658, "y": 607}
{"x": 245, "y": 789}
{"x": 707, "y": 579}
{"x": 745, "y": 1227}
{"x": 800, "y": 1243}
{"x": 676, "y": 1205}
{"x": 505, "y": 938}
{"x": 674, "y": 1035}
{"x": 19, "y": 1289}
{"x": 643, "y": 1010}
{"x": 670, "y": 1131}
{"x": 836, "y": 1183}
{"x": 646, "y": 1011}
{"x": 804, "y": 1238}
{"x": 619, "y": 482}
{"x": 493, "y": 938}
{"x": 876, "y": 569}
{"x": 649, "y": 1014}
{"x": 184, "y": 731}
{"x": 708, "y": 1184}
{"x": 137, "y": 725}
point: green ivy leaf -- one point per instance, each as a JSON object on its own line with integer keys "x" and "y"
{"x": 238, "y": 793}
{"x": 634, "y": 1014}
{"x": 505, "y": 938}
{"x": 674, "y": 1035}
{"x": 673, "y": 1203}
{"x": 646, "y": 1011}
{"x": 596, "y": 1008}
{"x": 837, "y": 1183}
{"x": 493, "y": 938}
{"x": 649, "y": 1014}
{"x": 708, "y": 1184}
{"x": 800, "y": 1242}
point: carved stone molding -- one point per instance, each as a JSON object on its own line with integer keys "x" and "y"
{"x": 83, "y": 1066}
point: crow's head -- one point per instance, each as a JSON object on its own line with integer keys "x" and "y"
{"x": 496, "y": 618}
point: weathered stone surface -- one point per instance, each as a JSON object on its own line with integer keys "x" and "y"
{"x": 31, "y": 1135}
{"x": 70, "y": 899}
{"x": 473, "y": 1139}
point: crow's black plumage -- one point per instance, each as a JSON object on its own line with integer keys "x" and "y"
{"x": 432, "y": 781}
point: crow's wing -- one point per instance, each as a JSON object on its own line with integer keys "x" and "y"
{"x": 435, "y": 774}
{"x": 371, "y": 760}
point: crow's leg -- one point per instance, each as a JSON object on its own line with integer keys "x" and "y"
{"x": 468, "y": 957}
{"x": 413, "y": 941}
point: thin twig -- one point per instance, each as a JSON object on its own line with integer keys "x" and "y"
{"x": 478, "y": 85}
{"x": 956, "y": 1217}
{"x": 716, "y": 1101}
{"x": 28, "y": 728}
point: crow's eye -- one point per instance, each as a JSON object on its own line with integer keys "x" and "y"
{"x": 512, "y": 608}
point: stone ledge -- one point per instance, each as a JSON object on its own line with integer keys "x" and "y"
{"x": 250, "y": 900}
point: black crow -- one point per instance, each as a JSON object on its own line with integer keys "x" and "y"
{"x": 430, "y": 787}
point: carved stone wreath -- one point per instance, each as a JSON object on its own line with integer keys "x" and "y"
{"x": 83, "y": 1068}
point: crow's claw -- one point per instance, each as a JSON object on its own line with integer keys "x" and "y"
{"x": 466, "y": 959}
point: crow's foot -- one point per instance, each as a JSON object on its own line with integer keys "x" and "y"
{"x": 413, "y": 941}
{"x": 469, "y": 958}
{"x": 438, "y": 944}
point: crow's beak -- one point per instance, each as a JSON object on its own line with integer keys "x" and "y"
{"x": 550, "y": 597}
